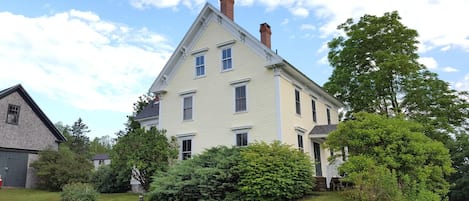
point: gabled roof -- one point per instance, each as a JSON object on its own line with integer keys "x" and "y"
{"x": 323, "y": 129}
{"x": 274, "y": 60}
{"x": 18, "y": 88}
{"x": 151, "y": 110}
{"x": 101, "y": 157}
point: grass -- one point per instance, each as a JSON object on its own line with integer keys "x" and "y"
{"x": 324, "y": 196}
{"x": 39, "y": 195}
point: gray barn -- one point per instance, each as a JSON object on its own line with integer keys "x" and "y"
{"x": 24, "y": 131}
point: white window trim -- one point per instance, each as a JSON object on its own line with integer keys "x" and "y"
{"x": 221, "y": 58}
{"x": 234, "y": 97}
{"x": 184, "y": 95}
{"x": 299, "y": 100}
{"x": 181, "y": 138}
{"x": 239, "y": 130}
{"x": 300, "y": 132}
{"x": 198, "y": 54}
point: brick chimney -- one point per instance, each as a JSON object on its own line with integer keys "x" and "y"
{"x": 265, "y": 34}
{"x": 227, "y": 8}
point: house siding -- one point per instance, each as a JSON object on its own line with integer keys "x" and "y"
{"x": 213, "y": 104}
{"x": 30, "y": 133}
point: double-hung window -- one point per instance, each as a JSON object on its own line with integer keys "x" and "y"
{"x": 187, "y": 108}
{"x": 13, "y": 114}
{"x": 226, "y": 59}
{"x": 240, "y": 99}
{"x": 297, "y": 102}
{"x": 241, "y": 139}
{"x": 313, "y": 107}
{"x": 328, "y": 113}
{"x": 186, "y": 149}
{"x": 200, "y": 66}
{"x": 300, "y": 142}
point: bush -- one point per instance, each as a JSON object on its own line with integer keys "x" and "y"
{"x": 211, "y": 175}
{"x": 79, "y": 192}
{"x": 257, "y": 172}
{"x": 106, "y": 180}
{"x": 371, "y": 182}
{"x": 57, "y": 168}
{"x": 274, "y": 172}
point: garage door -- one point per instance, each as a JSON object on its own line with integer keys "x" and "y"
{"x": 13, "y": 168}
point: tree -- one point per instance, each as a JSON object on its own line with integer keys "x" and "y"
{"x": 138, "y": 106}
{"x": 54, "y": 169}
{"x": 155, "y": 153}
{"x": 101, "y": 145}
{"x": 399, "y": 145}
{"x": 375, "y": 69}
{"x": 79, "y": 142}
{"x": 460, "y": 178}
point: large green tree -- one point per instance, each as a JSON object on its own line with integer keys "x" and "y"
{"x": 460, "y": 179}
{"x": 145, "y": 152}
{"x": 375, "y": 69}
{"x": 397, "y": 144}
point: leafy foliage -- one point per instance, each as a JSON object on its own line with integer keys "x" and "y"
{"x": 106, "y": 180}
{"x": 57, "y": 168}
{"x": 211, "y": 175}
{"x": 397, "y": 144}
{"x": 155, "y": 153}
{"x": 376, "y": 71}
{"x": 79, "y": 192}
{"x": 257, "y": 172}
{"x": 371, "y": 181}
{"x": 460, "y": 179}
{"x": 100, "y": 145}
{"x": 274, "y": 172}
{"x": 78, "y": 142}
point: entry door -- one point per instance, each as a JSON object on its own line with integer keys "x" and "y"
{"x": 317, "y": 158}
{"x": 13, "y": 168}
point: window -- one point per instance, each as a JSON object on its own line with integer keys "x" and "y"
{"x": 200, "y": 66}
{"x": 226, "y": 59}
{"x": 300, "y": 142}
{"x": 100, "y": 162}
{"x": 241, "y": 139}
{"x": 157, "y": 108}
{"x": 313, "y": 106}
{"x": 186, "y": 149}
{"x": 187, "y": 108}
{"x": 13, "y": 114}
{"x": 297, "y": 102}
{"x": 328, "y": 112}
{"x": 240, "y": 99}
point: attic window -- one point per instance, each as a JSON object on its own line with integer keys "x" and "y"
{"x": 13, "y": 114}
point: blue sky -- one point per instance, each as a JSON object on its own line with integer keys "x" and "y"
{"x": 92, "y": 59}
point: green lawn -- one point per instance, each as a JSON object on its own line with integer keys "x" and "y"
{"x": 324, "y": 196}
{"x": 38, "y": 195}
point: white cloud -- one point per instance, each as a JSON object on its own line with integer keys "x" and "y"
{"x": 308, "y": 27}
{"x": 429, "y": 62}
{"x": 462, "y": 85}
{"x": 449, "y": 69}
{"x": 438, "y": 22}
{"x": 76, "y": 58}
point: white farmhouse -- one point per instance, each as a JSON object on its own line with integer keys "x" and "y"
{"x": 223, "y": 86}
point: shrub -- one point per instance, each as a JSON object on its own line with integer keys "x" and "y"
{"x": 211, "y": 175}
{"x": 79, "y": 192}
{"x": 274, "y": 172}
{"x": 371, "y": 182}
{"x": 106, "y": 180}
{"x": 57, "y": 168}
